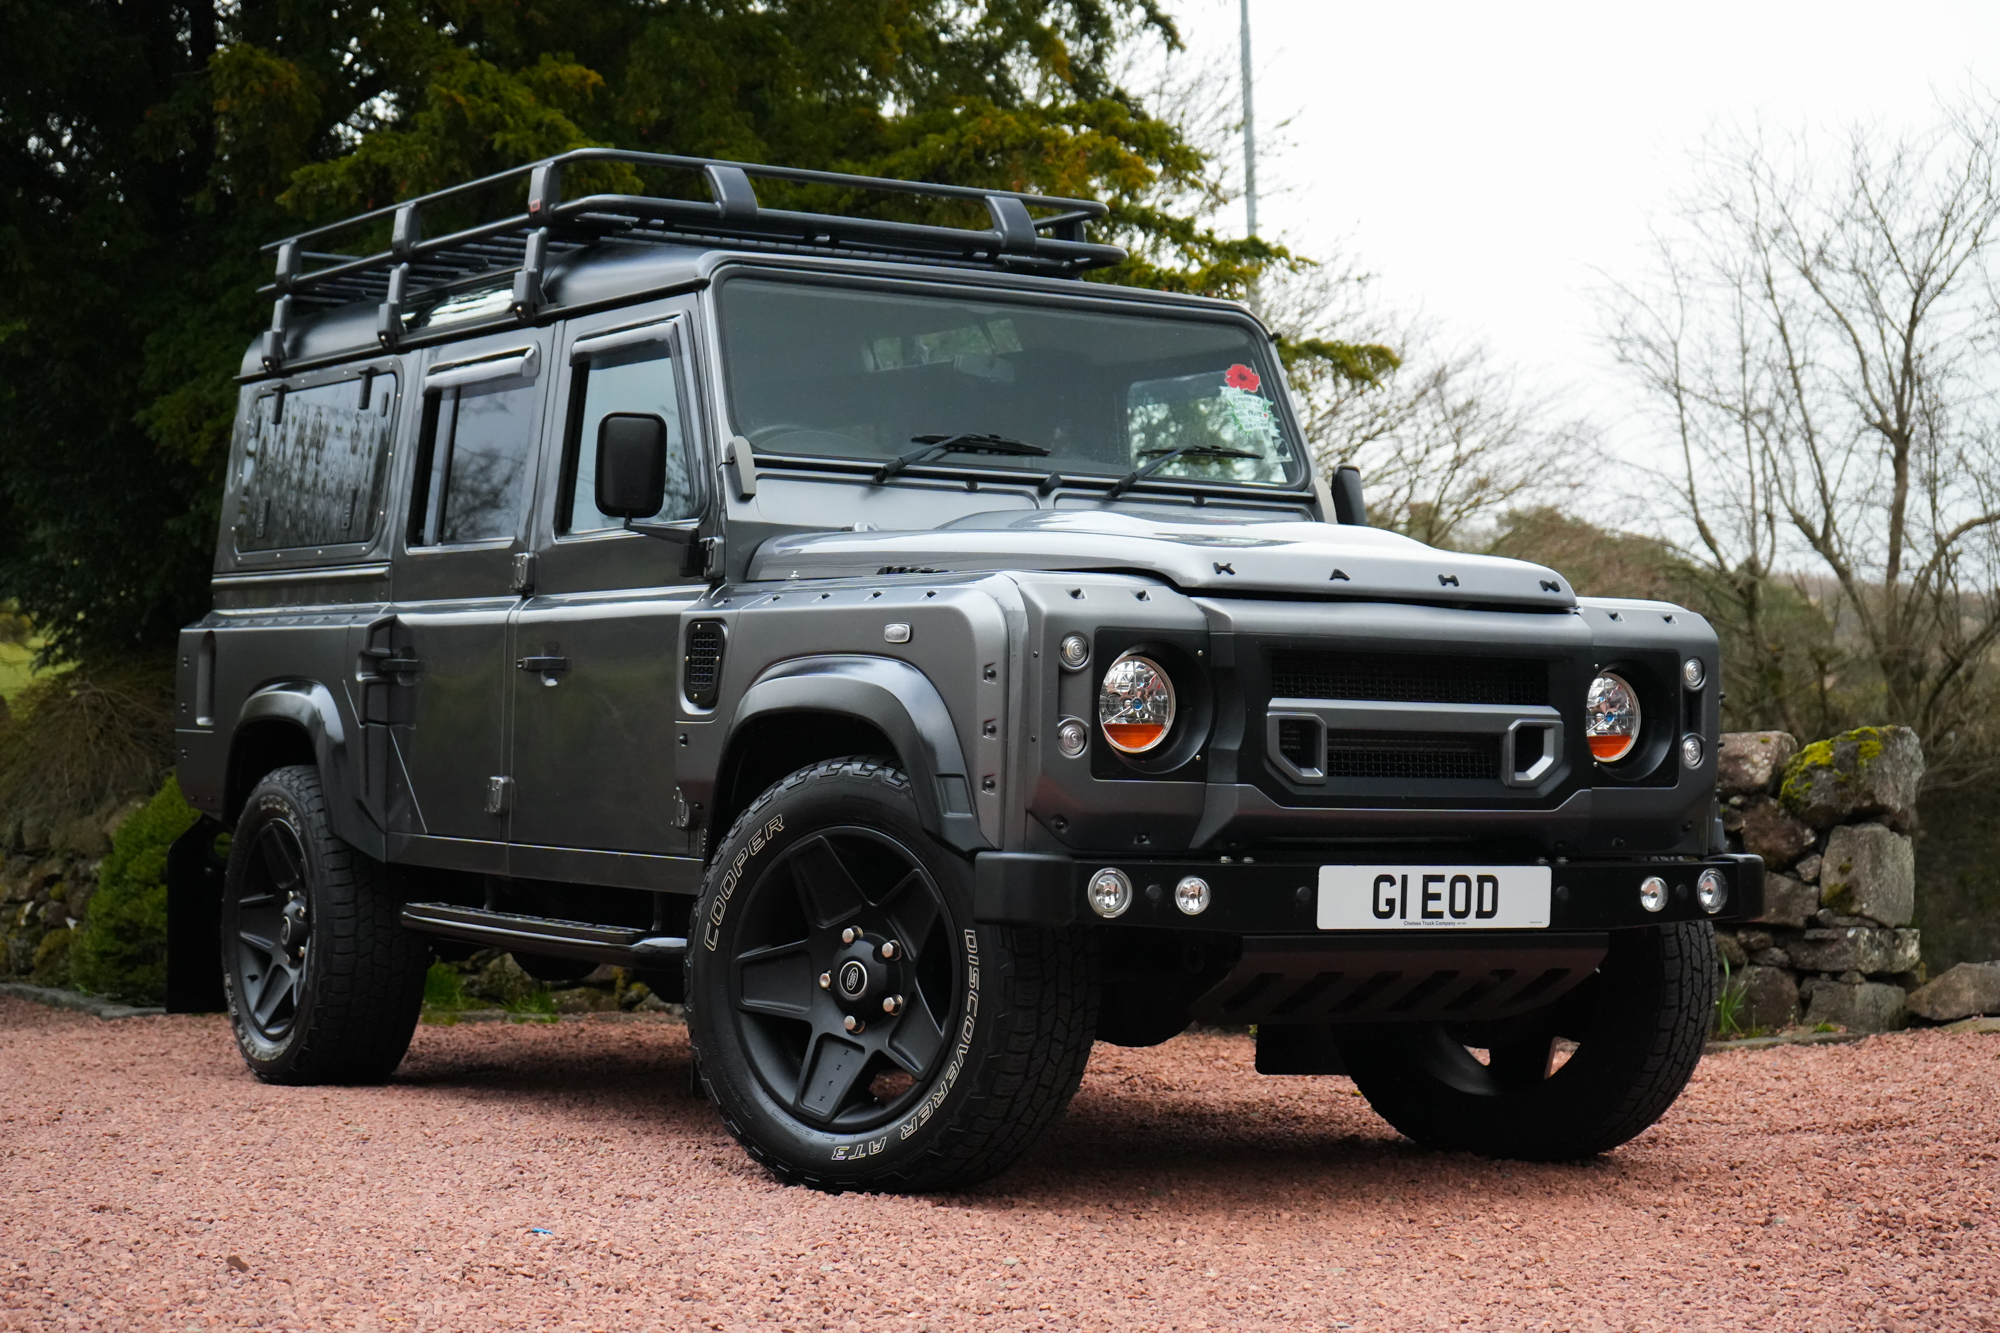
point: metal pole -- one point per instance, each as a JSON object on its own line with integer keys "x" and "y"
{"x": 1249, "y": 146}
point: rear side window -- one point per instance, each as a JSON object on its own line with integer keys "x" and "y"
{"x": 476, "y": 462}
{"x": 635, "y": 379}
{"x": 313, "y": 464}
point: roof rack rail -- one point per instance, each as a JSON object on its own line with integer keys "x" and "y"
{"x": 415, "y": 267}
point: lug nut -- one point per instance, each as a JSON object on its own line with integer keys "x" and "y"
{"x": 847, "y": 936}
{"x": 892, "y": 1004}
{"x": 852, "y": 1024}
{"x": 826, "y": 981}
{"x": 889, "y": 949}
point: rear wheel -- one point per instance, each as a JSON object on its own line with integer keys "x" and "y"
{"x": 1580, "y": 1077}
{"x": 324, "y": 983}
{"x": 856, "y": 1027}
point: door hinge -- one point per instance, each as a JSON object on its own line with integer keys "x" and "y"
{"x": 704, "y": 559}
{"x": 499, "y": 795}
{"x": 524, "y": 572}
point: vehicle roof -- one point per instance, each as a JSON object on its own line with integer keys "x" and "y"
{"x": 616, "y": 272}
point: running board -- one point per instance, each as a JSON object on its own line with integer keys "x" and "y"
{"x": 625, "y": 946}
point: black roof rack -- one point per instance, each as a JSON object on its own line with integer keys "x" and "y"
{"x": 415, "y": 267}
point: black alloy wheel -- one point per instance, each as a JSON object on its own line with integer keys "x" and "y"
{"x": 1578, "y": 1077}
{"x": 846, "y": 980}
{"x": 854, "y": 1025}
{"x": 323, "y": 982}
{"x": 269, "y": 926}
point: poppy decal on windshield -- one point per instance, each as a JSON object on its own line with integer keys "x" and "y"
{"x": 1242, "y": 377}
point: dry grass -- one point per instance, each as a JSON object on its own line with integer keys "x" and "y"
{"x": 87, "y": 738}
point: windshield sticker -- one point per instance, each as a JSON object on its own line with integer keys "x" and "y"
{"x": 1242, "y": 377}
{"x": 1252, "y": 416}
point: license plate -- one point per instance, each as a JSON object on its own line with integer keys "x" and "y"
{"x": 1433, "y": 897}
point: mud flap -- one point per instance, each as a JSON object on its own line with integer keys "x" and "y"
{"x": 194, "y": 921}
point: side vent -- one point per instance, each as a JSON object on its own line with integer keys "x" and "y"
{"x": 701, "y": 669}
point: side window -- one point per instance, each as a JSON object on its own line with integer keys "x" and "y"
{"x": 313, "y": 464}
{"x": 639, "y": 378}
{"x": 475, "y": 462}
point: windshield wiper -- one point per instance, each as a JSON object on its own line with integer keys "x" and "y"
{"x": 1167, "y": 456}
{"x": 934, "y": 445}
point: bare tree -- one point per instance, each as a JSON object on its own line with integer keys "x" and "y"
{"x": 1446, "y": 438}
{"x": 1817, "y": 347}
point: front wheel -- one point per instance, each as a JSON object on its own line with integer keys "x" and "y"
{"x": 1637, "y": 1028}
{"x": 324, "y": 983}
{"x": 855, "y": 1026}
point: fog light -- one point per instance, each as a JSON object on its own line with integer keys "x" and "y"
{"x": 1072, "y": 737}
{"x": 1075, "y": 651}
{"x": 1110, "y": 893}
{"x": 1191, "y": 895}
{"x": 1691, "y": 750}
{"x": 1712, "y": 891}
{"x": 1653, "y": 893}
{"x": 1694, "y": 673}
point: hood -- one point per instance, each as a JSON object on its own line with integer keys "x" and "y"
{"x": 1212, "y": 556}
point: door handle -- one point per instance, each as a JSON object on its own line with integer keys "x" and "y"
{"x": 544, "y": 665}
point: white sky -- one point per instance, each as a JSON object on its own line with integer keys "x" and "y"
{"x": 1487, "y": 160}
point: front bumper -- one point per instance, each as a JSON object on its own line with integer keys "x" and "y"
{"x": 1278, "y": 897}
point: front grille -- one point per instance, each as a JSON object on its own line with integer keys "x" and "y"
{"x": 1388, "y": 754}
{"x": 701, "y": 669}
{"x": 1408, "y": 678}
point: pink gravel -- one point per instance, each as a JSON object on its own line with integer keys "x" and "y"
{"x": 148, "y": 1182}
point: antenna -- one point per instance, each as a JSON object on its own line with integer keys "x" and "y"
{"x": 1249, "y": 148}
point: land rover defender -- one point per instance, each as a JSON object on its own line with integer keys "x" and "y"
{"x": 921, "y": 663}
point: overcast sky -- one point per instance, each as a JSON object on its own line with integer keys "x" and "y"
{"x": 1487, "y": 160}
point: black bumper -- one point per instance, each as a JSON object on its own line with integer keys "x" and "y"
{"x": 1271, "y": 897}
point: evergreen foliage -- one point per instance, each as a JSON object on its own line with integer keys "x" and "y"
{"x": 150, "y": 147}
{"x": 120, "y": 950}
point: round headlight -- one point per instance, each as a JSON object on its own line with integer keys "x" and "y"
{"x": 1653, "y": 893}
{"x": 1135, "y": 704}
{"x": 1110, "y": 892}
{"x": 1712, "y": 891}
{"x": 1611, "y": 718}
{"x": 1191, "y": 895}
{"x": 1075, "y": 651}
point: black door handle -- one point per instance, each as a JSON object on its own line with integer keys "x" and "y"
{"x": 544, "y": 665}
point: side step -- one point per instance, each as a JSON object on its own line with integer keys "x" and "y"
{"x": 625, "y": 946}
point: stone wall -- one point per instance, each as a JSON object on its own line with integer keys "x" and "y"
{"x": 1832, "y": 822}
{"x": 47, "y": 877}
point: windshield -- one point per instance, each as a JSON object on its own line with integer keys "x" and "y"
{"x": 850, "y": 373}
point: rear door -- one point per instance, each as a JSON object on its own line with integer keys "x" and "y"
{"x": 456, "y": 579}
{"x": 597, "y": 657}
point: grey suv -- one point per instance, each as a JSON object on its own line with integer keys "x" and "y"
{"x": 921, "y": 662}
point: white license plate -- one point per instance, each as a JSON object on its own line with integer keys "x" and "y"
{"x": 1433, "y": 897}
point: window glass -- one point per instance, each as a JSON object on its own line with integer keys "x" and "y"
{"x": 479, "y": 449}
{"x": 854, "y": 373}
{"x": 636, "y": 379}
{"x": 313, "y": 465}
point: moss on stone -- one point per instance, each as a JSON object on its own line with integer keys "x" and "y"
{"x": 51, "y": 966}
{"x": 121, "y": 948}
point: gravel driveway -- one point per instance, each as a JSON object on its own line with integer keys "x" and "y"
{"x": 560, "y": 1177}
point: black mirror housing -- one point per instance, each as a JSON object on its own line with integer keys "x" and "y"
{"x": 1348, "y": 506}
{"x": 631, "y": 465}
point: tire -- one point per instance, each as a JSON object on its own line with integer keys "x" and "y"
{"x": 324, "y": 984}
{"x": 1639, "y": 1025}
{"x": 994, "y": 1024}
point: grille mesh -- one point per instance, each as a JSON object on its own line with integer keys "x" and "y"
{"x": 702, "y": 669}
{"x": 1403, "y": 755}
{"x": 1408, "y": 678}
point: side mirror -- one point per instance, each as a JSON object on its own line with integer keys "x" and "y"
{"x": 631, "y": 465}
{"x": 1348, "y": 506}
